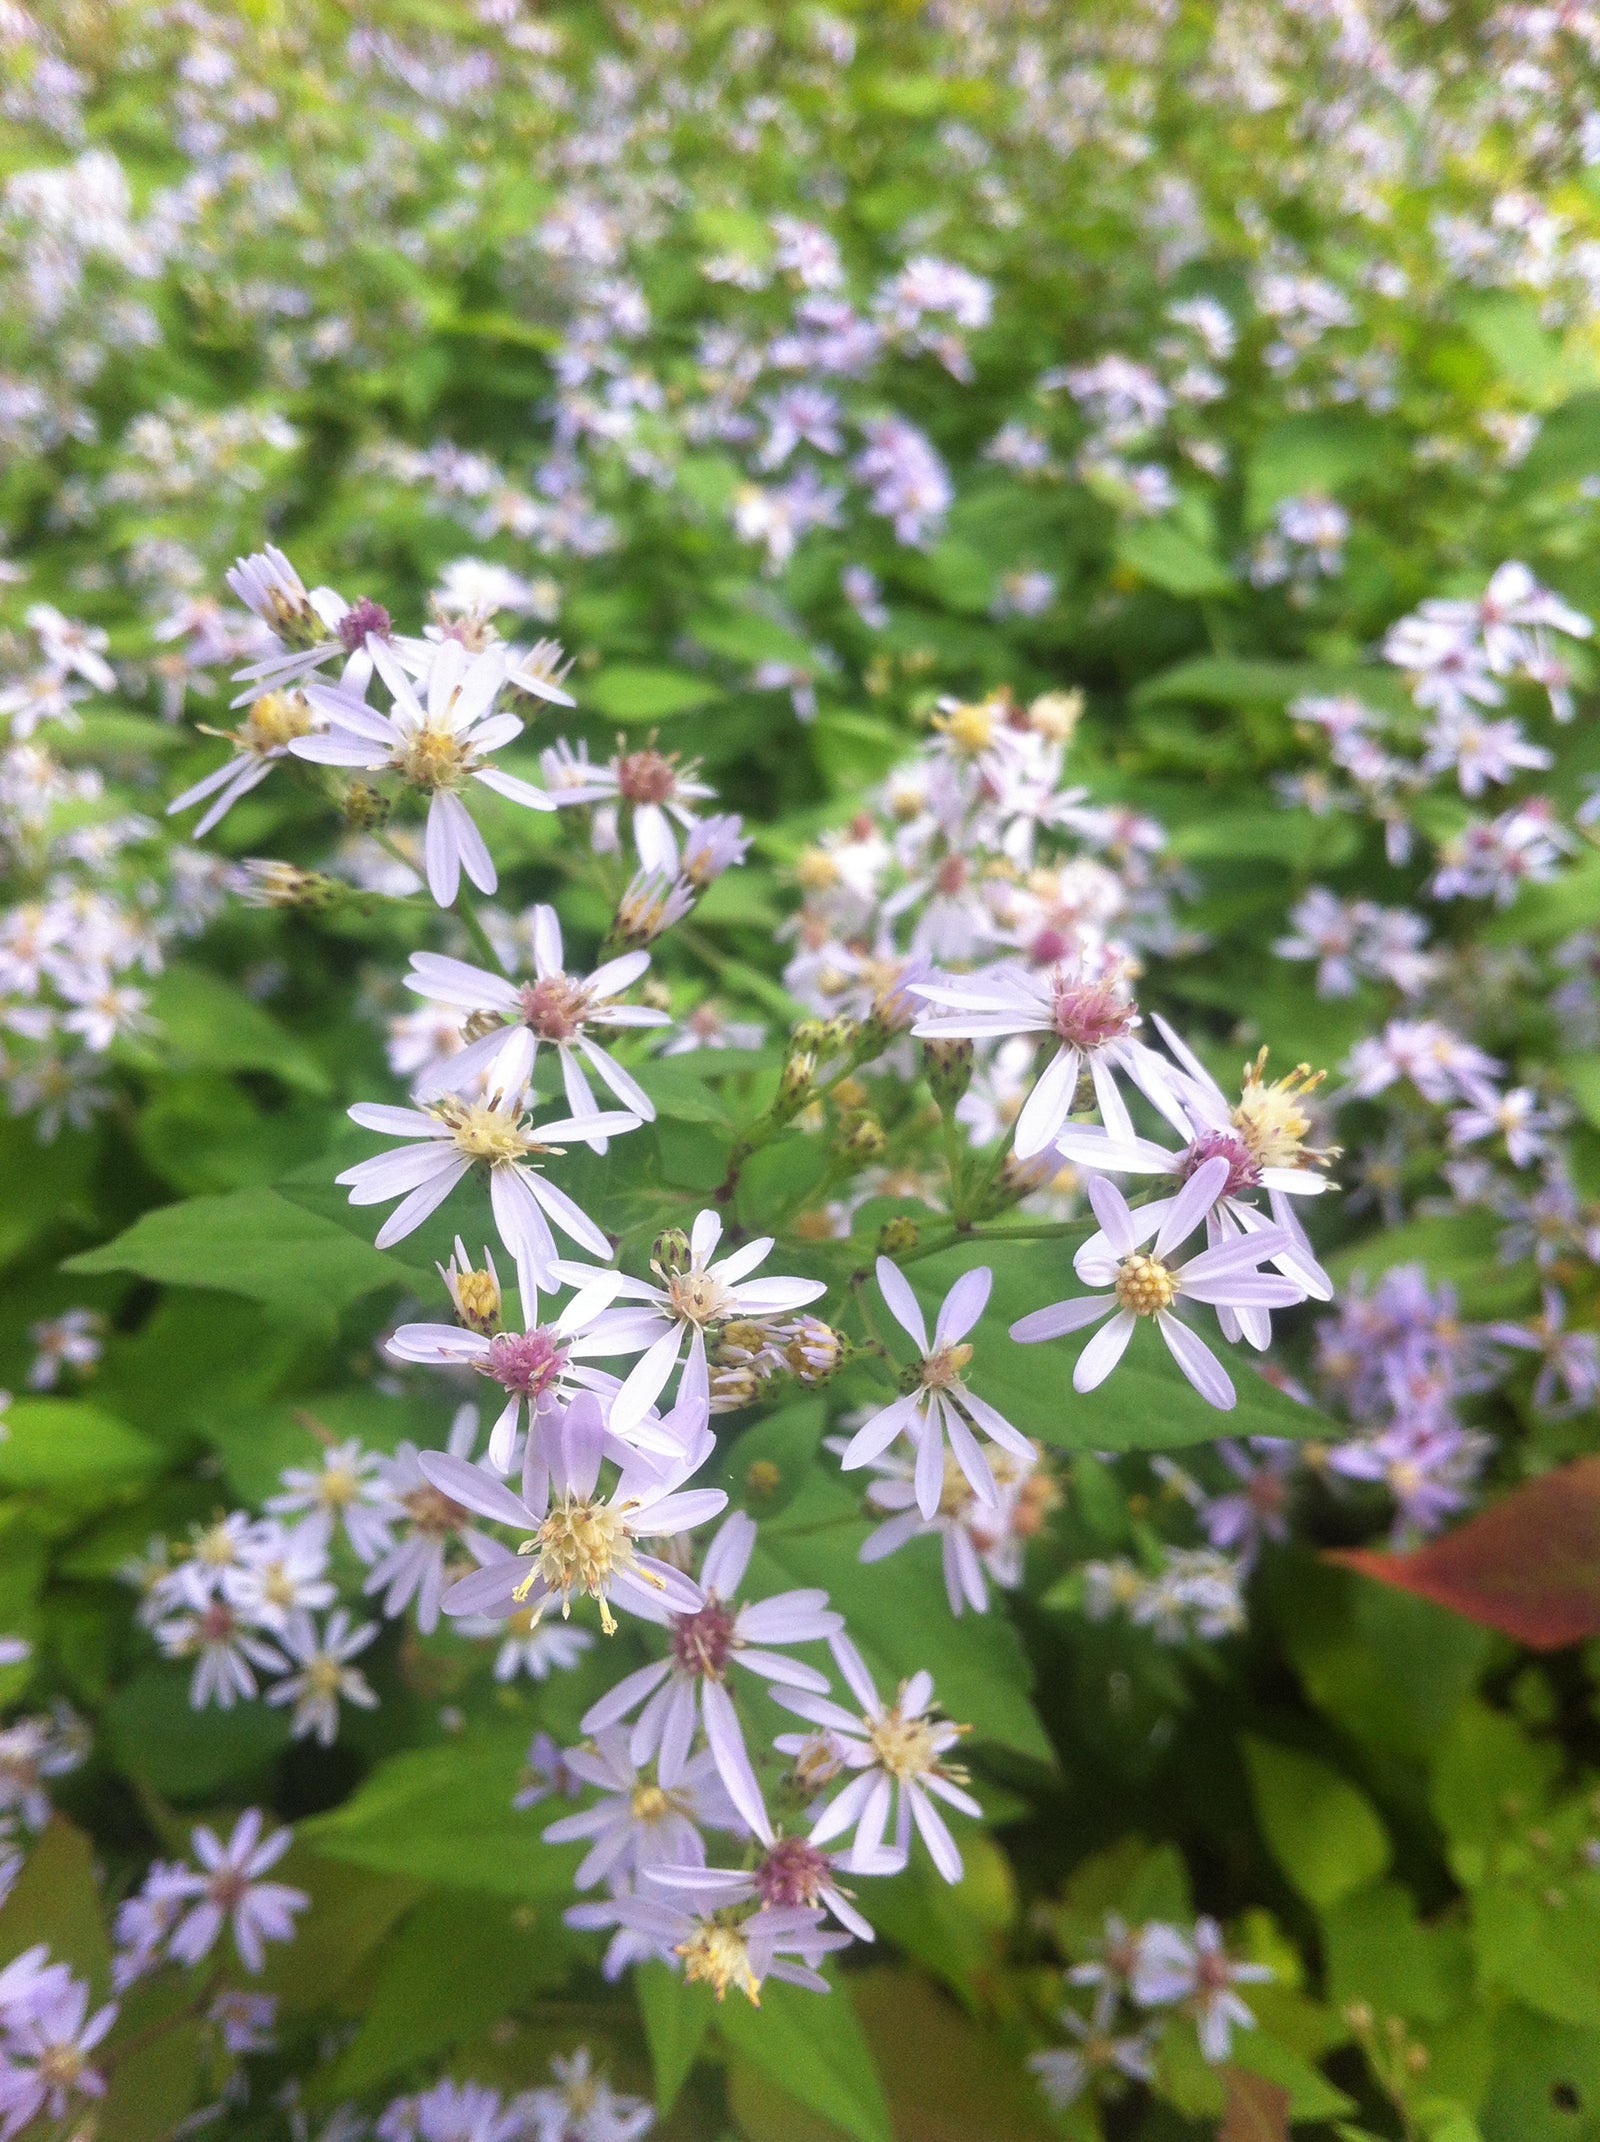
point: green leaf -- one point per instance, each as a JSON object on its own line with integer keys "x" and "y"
{"x": 255, "y": 1243}
{"x": 676, "y": 2020}
{"x": 44, "y": 1184}
{"x": 208, "y": 1025}
{"x": 1324, "y": 1834}
{"x": 60, "y": 1444}
{"x": 1485, "y": 1764}
{"x": 57, "y": 1900}
{"x": 822, "y": 2059}
{"x": 1318, "y": 454}
{"x": 1173, "y": 560}
{"x": 444, "y": 1815}
{"x": 455, "y": 1967}
{"x": 1545, "y": 2083}
{"x": 629, "y": 691}
{"x": 1377, "y": 1950}
{"x": 179, "y": 1752}
{"x": 1543, "y": 1949}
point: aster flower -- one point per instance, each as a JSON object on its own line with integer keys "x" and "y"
{"x": 430, "y": 1523}
{"x": 555, "y": 1009}
{"x": 453, "y": 1136}
{"x": 436, "y": 748}
{"x": 1066, "y": 2072}
{"x": 537, "y": 1368}
{"x": 229, "y": 1890}
{"x": 226, "y": 1649}
{"x": 1084, "y": 1005}
{"x": 323, "y": 1676}
{"x": 639, "y": 1822}
{"x": 789, "y": 1873}
{"x": 981, "y": 1543}
{"x": 46, "y": 2061}
{"x": 898, "y": 1753}
{"x": 713, "y": 1949}
{"x": 694, "y": 1295}
{"x": 690, "y": 1686}
{"x": 574, "y": 1539}
{"x": 1146, "y": 1284}
{"x": 260, "y": 742}
{"x": 1197, "y": 1971}
{"x": 938, "y": 1407}
{"x": 659, "y": 791}
{"x": 311, "y": 626}
{"x": 580, "y": 2106}
{"x": 343, "y": 1489}
{"x": 537, "y": 1649}
{"x": 1569, "y": 1360}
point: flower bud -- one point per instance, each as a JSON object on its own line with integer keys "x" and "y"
{"x": 264, "y": 883}
{"x": 866, "y": 1139}
{"x": 671, "y": 1254}
{"x": 947, "y": 1066}
{"x": 897, "y": 1236}
{"x": 365, "y": 807}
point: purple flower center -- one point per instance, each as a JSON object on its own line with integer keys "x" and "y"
{"x": 647, "y": 776}
{"x": 703, "y": 1643}
{"x": 1087, "y": 1015}
{"x": 792, "y": 1873}
{"x": 525, "y": 1362}
{"x": 1243, "y": 1170}
{"x": 361, "y": 618}
{"x": 554, "y": 1008}
{"x": 1049, "y": 948}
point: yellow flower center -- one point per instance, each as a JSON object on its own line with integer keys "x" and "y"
{"x": 719, "y": 1957}
{"x": 323, "y": 1676}
{"x": 432, "y": 758}
{"x": 943, "y": 1368}
{"x": 580, "y": 1547}
{"x": 337, "y": 1487}
{"x": 273, "y": 722}
{"x": 483, "y": 1133}
{"x": 1272, "y": 1118}
{"x": 649, "y": 1803}
{"x": 478, "y": 1300}
{"x": 970, "y": 728}
{"x": 697, "y": 1298}
{"x": 903, "y": 1746}
{"x": 1145, "y": 1285}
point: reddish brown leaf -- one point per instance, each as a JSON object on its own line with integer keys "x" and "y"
{"x": 1529, "y": 1566}
{"x": 1255, "y": 2110}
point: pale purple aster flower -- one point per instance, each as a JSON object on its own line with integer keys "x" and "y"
{"x": 1437, "y": 1062}
{"x": 545, "y": 1772}
{"x": 789, "y": 1873}
{"x": 1429, "y": 1464}
{"x": 555, "y": 1008}
{"x": 1480, "y": 753}
{"x": 1113, "y": 1960}
{"x": 287, "y": 1574}
{"x": 1569, "y": 1359}
{"x": 246, "y": 2021}
{"x": 897, "y": 1751}
{"x": 344, "y": 1489}
{"x": 694, "y": 1293}
{"x": 33, "y": 1750}
{"x": 581, "y": 2106}
{"x": 260, "y": 742}
{"x": 454, "y": 1136}
{"x": 322, "y": 1676}
{"x": 1514, "y": 1116}
{"x": 981, "y": 1543}
{"x": 541, "y": 1649}
{"x": 639, "y": 1822}
{"x": 311, "y": 626}
{"x": 30, "y": 1981}
{"x": 690, "y": 1686}
{"x": 1197, "y": 1971}
{"x": 436, "y": 749}
{"x": 778, "y": 1941}
{"x": 1065, "y": 2072}
{"x": 144, "y": 1921}
{"x": 939, "y": 1407}
{"x": 229, "y": 1890}
{"x": 45, "y": 2064}
{"x": 573, "y": 1538}
{"x": 1084, "y": 1004}
{"x": 660, "y": 792}
{"x": 413, "y": 1567}
{"x": 537, "y": 1367}
{"x": 1258, "y": 1509}
{"x": 446, "y": 2112}
{"x": 1147, "y": 1284}
{"x": 74, "y": 1340}
{"x": 226, "y": 1649}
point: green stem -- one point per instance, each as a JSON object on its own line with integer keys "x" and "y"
{"x": 464, "y": 908}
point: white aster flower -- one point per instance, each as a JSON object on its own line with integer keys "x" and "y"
{"x": 436, "y": 748}
{"x": 939, "y": 1405}
{"x": 694, "y": 1295}
{"x": 897, "y": 1751}
{"x": 1085, "y": 1005}
{"x": 452, "y": 1137}
{"x": 1147, "y": 1284}
{"x": 324, "y": 1676}
{"x": 228, "y": 1887}
{"x": 555, "y": 1009}
{"x": 574, "y": 1539}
